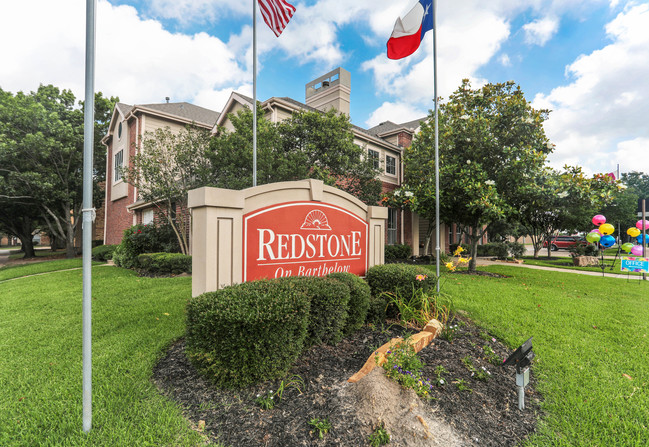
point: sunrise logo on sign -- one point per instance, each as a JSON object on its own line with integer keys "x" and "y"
{"x": 303, "y": 239}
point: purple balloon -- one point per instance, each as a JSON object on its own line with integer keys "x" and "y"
{"x": 637, "y": 250}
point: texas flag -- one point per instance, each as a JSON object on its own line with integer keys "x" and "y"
{"x": 409, "y": 31}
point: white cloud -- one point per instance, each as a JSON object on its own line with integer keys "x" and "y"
{"x": 136, "y": 59}
{"x": 399, "y": 112}
{"x": 504, "y": 60}
{"x": 198, "y": 11}
{"x": 603, "y": 111}
{"x": 539, "y": 32}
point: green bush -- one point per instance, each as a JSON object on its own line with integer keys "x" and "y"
{"x": 398, "y": 279}
{"x": 103, "y": 253}
{"x": 140, "y": 239}
{"x": 376, "y": 312}
{"x": 498, "y": 250}
{"x": 516, "y": 249}
{"x": 397, "y": 251}
{"x": 359, "y": 300}
{"x": 248, "y": 333}
{"x": 329, "y": 305}
{"x": 164, "y": 263}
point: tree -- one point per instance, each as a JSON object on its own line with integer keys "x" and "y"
{"x": 41, "y": 156}
{"x": 491, "y": 143}
{"x": 307, "y": 145}
{"x": 165, "y": 168}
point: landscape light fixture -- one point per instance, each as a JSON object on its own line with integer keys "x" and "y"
{"x": 522, "y": 358}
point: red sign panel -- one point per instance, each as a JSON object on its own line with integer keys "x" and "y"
{"x": 303, "y": 239}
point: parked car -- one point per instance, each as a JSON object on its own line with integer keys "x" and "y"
{"x": 565, "y": 242}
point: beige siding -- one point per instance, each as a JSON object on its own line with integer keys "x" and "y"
{"x": 151, "y": 124}
{"x": 388, "y": 178}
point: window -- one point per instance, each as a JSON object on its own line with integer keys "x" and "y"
{"x": 119, "y": 164}
{"x": 390, "y": 165}
{"x": 374, "y": 156}
{"x": 392, "y": 226}
{"x": 147, "y": 216}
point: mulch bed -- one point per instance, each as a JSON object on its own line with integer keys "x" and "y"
{"x": 487, "y": 415}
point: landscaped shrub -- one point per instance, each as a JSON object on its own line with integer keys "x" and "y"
{"x": 140, "y": 239}
{"x": 247, "y": 333}
{"x": 359, "y": 300}
{"x": 499, "y": 250}
{"x": 164, "y": 263}
{"x": 516, "y": 249}
{"x": 398, "y": 279}
{"x": 376, "y": 312}
{"x": 103, "y": 253}
{"x": 396, "y": 252}
{"x": 329, "y": 304}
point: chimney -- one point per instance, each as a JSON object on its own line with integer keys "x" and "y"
{"x": 330, "y": 91}
{"x": 167, "y": 98}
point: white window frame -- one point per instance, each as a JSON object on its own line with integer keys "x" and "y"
{"x": 147, "y": 216}
{"x": 392, "y": 226}
{"x": 375, "y": 156}
{"x": 387, "y": 165}
{"x": 118, "y": 165}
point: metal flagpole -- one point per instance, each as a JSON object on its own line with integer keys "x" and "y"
{"x": 88, "y": 212}
{"x": 436, "y": 143}
{"x": 254, "y": 92}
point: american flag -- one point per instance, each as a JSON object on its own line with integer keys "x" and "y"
{"x": 276, "y": 14}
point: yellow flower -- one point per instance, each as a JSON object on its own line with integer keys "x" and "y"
{"x": 450, "y": 266}
{"x": 458, "y": 250}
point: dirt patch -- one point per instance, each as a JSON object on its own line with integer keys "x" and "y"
{"x": 483, "y": 413}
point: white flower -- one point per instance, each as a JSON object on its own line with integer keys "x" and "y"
{"x": 468, "y": 139}
{"x": 441, "y": 381}
{"x": 464, "y": 117}
{"x": 490, "y": 182}
{"x": 409, "y": 194}
{"x": 528, "y": 120}
{"x": 562, "y": 195}
{"x": 468, "y": 162}
{"x": 550, "y": 145}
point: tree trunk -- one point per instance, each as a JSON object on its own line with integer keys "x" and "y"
{"x": 27, "y": 245}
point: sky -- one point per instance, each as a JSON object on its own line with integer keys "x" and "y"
{"x": 585, "y": 60}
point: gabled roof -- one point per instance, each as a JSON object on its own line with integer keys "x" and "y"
{"x": 197, "y": 114}
{"x": 388, "y": 127}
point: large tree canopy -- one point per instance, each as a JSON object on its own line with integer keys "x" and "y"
{"x": 306, "y": 145}
{"x": 41, "y": 155}
{"x": 491, "y": 143}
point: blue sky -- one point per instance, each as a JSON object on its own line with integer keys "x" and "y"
{"x": 587, "y": 60}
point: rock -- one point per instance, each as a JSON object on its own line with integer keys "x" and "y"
{"x": 585, "y": 261}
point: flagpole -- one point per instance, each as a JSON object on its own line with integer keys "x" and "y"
{"x": 88, "y": 213}
{"x": 254, "y": 92}
{"x": 436, "y": 143}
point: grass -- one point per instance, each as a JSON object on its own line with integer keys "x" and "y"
{"x": 591, "y": 341}
{"x": 39, "y": 252}
{"x": 134, "y": 319}
{"x": 566, "y": 263}
{"x": 35, "y": 268}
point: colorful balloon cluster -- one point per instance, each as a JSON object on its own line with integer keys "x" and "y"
{"x": 603, "y": 233}
{"x": 635, "y": 232}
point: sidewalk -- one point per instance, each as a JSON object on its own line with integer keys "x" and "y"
{"x": 607, "y": 273}
{"x": 4, "y": 257}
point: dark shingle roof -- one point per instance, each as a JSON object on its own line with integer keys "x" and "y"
{"x": 388, "y": 126}
{"x": 186, "y": 110}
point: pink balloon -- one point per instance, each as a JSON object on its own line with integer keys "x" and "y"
{"x": 638, "y": 225}
{"x": 599, "y": 220}
{"x": 596, "y": 230}
{"x": 637, "y": 250}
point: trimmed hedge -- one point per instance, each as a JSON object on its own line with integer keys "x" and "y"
{"x": 400, "y": 279}
{"x": 248, "y": 333}
{"x": 164, "y": 263}
{"x": 140, "y": 239}
{"x": 103, "y": 253}
{"x": 359, "y": 300}
{"x": 329, "y": 304}
{"x": 397, "y": 251}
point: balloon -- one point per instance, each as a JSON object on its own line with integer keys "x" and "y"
{"x": 596, "y": 231}
{"x": 633, "y": 232}
{"x": 593, "y": 237}
{"x": 607, "y": 241}
{"x": 599, "y": 220}
{"x": 637, "y": 250}
{"x": 627, "y": 247}
{"x": 638, "y": 224}
{"x": 606, "y": 229}
{"x": 640, "y": 238}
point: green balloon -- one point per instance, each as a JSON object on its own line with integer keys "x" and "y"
{"x": 627, "y": 247}
{"x": 593, "y": 237}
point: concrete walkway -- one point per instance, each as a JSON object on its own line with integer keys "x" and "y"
{"x": 607, "y": 272}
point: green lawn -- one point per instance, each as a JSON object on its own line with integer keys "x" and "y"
{"x": 566, "y": 263}
{"x": 134, "y": 319}
{"x": 591, "y": 341}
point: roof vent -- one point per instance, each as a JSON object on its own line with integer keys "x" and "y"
{"x": 167, "y": 98}
{"x": 325, "y": 84}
